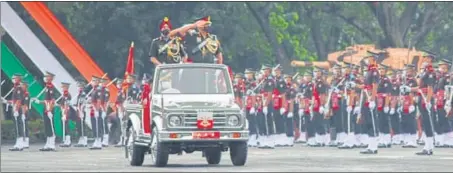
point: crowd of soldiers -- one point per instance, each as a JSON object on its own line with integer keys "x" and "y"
{"x": 370, "y": 106}
{"x": 91, "y": 103}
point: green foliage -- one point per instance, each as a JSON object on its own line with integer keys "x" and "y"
{"x": 303, "y": 30}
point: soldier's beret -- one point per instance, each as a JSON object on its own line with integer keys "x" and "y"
{"x": 445, "y": 62}
{"x": 65, "y": 84}
{"x": 49, "y": 74}
{"x": 249, "y": 70}
{"x": 429, "y": 54}
{"x": 265, "y": 67}
{"x": 372, "y": 54}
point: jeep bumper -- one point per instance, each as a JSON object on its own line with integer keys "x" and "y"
{"x": 189, "y": 136}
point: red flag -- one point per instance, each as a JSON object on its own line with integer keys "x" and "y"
{"x": 129, "y": 66}
{"x": 130, "y": 61}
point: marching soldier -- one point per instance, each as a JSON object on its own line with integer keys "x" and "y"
{"x": 266, "y": 124}
{"x": 317, "y": 108}
{"x": 120, "y": 98}
{"x": 290, "y": 95}
{"x": 370, "y": 83}
{"x": 93, "y": 107}
{"x": 443, "y": 128}
{"x": 425, "y": 89}
{"x": 103, "y": 102}
{"x": 278, "y": 98}
{"x": 383, "y": 107}
{"x": 407, "y": 110}
{"x": 167, "y": 49}
{"x": 66, "y": 114}
{"x": 25, "y": 111}
{"x": 19, "y": 119}
{"x": 250, "y": 103}
{"x": 305, "y": 108}
{"x": 49, "y": 102}
{"x": 81, "y": 114}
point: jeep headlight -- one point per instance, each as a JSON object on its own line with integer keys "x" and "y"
{"x": 174, "y": 120}
{"x": 233, "y": 120}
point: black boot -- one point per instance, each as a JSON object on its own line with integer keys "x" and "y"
{"x": 425, "y": 153}
{"x": 368, "y": 151}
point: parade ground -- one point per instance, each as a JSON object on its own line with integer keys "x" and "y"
{"x": 294, "y": 159}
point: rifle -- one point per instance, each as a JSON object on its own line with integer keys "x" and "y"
{"x": 262, "y": 81}
{"x": 327, "y": 105}
{"x": 3, "y": 82}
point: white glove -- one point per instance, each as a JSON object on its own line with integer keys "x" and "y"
{"x": 120, "y": 114}
{"x": 372, "y": 105}
{"x": 23, "y": 118}
{"x": 265, "y": 110}
{"x": 400, "y": 109}
{"x": 282, "y": 111}
{"x": 301, "y": 112}
{"x": 290, "y": 115}
{"x": 16, "y": 114}
{"x": 349, "y": 109}
{"x": 321, "y": 110}
{"x": 447, "y": 108}
{"x": 428, "y": 106}
{"x": 63, "y": 118}
{"x": 96, "y": 113}
{"x": 411, "y": 108}
{"x": 50, "y": 115}
{"x": 252, "y": 110}
{"x": 104, "y": 114}
{"x": 392, "y": 111}
{"x": 357, "y": 110}
{"x": 386, "y": 109}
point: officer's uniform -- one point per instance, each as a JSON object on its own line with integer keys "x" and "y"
{"x": 17, "y": 98}
{"x": 250, "y": 110}
{"x": 104, "y": 97}
{"x": 442, "y": 124}
{"x": 66, "y": 114}
{"x": 427, "y": 80}
{"x": 290, "y": 95}
{"x": 383, "y": 107}
{"x": 407, "y": 110}
{"x": 394, "y": 113}
{"x": 167, "y": 50}
{"x": 265, "y": 120}
{"x": 278, "y": 97}
{"x": 25, "y": 112}
{"x": 132, "y": 92}
{"x": 81, "y": 114}
{"x": 93, "y": 108}
{"x": 316, "y": 125}
{"x": 49, "y": 100}
{"x": 203, "y": 49}
{"x": 336, "y": 108}
{"x": 118, "y": 121}
{"x": 299, "y": 118}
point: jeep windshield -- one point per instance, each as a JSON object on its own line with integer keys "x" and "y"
{"x": 193, "y": 80}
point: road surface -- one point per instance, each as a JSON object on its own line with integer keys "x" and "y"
{"x": 298, "y": 158}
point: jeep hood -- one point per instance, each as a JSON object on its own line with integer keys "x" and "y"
{"x": 195, "y": 101}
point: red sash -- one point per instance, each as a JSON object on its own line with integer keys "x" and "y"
{"x": 249, "y": 102}
{"x": 440, "y": 99}
{"x": 407, "y": 102}
{"x": 276, "y": 99}
{"x": 380, "y": 101}
{"x": 335, "y": 101}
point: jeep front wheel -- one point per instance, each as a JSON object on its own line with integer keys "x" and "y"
{"x": 238, "y": 153}
{"x": 159, "y": 151}
{"x": 135, "y": 153}
{"x": 213, "y": 156}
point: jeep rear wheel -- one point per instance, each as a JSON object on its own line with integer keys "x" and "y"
{"x": 135, "y": 153}
{"x": 238, "y": 153}
{"x": 159, "y": 151}
{"x": 213, "y": 156}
